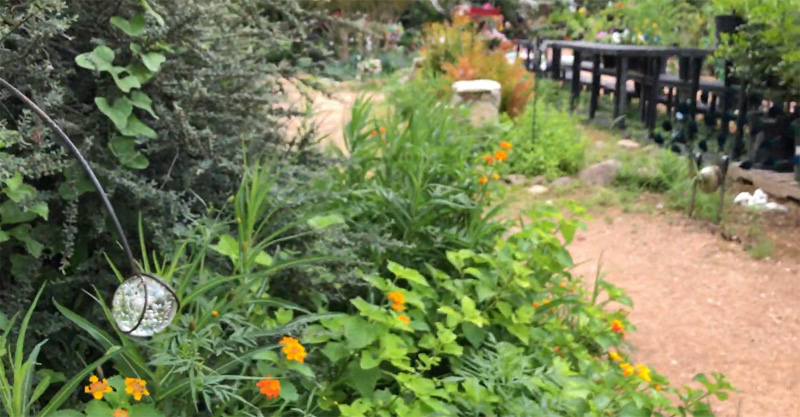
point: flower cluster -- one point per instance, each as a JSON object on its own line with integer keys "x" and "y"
{"x": 293, "y": 350}
{"x": 133, "y": 386}
{"x": 500, "y": 156}
{"x": 398, "y": 301}
{"x": 270, "y": 387}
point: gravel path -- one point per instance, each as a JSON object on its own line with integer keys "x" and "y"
{"x": 702, "y": 305}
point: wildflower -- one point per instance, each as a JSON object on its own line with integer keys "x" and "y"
{"x": 293, "y": 350}
{"x": 555, "y": 349}
{"x": 615, "y": 356}
{"x": 483, "y": 180}
{"x": 214, "y": 313}
{"x": 270, "y": 387}
{"x": 488, "y": 159}
{"x": 643, "y": 372}
{"x": 536, "y": 304}
{"x": 617, "y": 326}
{"x": 505, "y": 145}
{"x": 627, "y": 369}
{"x": 546, "y": 300}
{"x": 582, "y": 10}
{"x": 496, "y": 176}
{"x": 404, "y": 319}
{"x": 374, "y": 133}
{"x": 136, "y": 387}
{"x": 563, "y": 285}
{"x": 120, "y": 412}
{"x": 657, "y": 387}
{"x": 383, "y": 130}
{"x": 619, "y": 5}
{"x": 553, "y": 309}
{"x": 398, "y": 301}
{"x": 97, "y": 388}
{"x": 501, "y": 155}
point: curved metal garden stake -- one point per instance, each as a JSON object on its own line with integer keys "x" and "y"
{"x": 140, "y": 284}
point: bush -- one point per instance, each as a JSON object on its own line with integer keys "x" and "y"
{"x": 557, "y": 149}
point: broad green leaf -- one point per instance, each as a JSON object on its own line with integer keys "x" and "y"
{"x": 263, "y": 258}
{"x": 474, "y": 334}
{"x": 288, "y": 391}
{"x": 144, "y": 410}
{"x": 40, "y": 208}
{"x": 267, "y": 355}
{"x": 22, "y": 234}
{"x": 369, "y": 359}
{"x": 136, "y": 128}
{"x": 98, "y": 408}
{"x": 407, "y": 274}
{"x": 17, "y": 191}
{"x": 227, "y": 246}
{"x": 471, "y": 313}
{"x": 335, "y": 351}
{"x": 283, "y": 316}
{"x": 100, "y": 59}
{"x": 359, "y": 333}
{"x": 362, "y": 380}
{"x": 323, "y": 222}
{"x": 153, "y": 60}
{"x": 141, "y": 100}
{"x": 4, "y": 237}
{"x": 127, "y": 83}
{"x": 125, "y": 150}
{"x": 118, "y": 113}
{"x": 133, "y": 27}
{"x": 151, "y": 12}
{"x": 140, "y": 72}
{"x": 12, "y": 213}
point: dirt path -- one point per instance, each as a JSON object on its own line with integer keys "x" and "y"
{"x": 702, "y": 305}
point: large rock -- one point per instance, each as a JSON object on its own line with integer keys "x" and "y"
{"x": 603, "y": 173}
{"x": 481, "y": 96}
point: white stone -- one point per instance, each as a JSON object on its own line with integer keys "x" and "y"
{"x": 481, "y": 96}
{"x": 476, "y": 86}
{"x": 627, "y": 144}
{"x": 538, "y": 189}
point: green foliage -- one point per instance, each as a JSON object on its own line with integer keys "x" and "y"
{"x": 556, "y": 148}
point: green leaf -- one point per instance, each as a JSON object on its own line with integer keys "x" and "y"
{"x": 127, "y": 83}
{"x": 323, "y": 222}
{"x": 359, "y": 333}
{"x": 4, "y": 237}
{"x": 474, "y": 334}
{"x": 144, "y": 410}
{"x": 266, "y": 355}
{"x": 136, "y": 128}
{"x": 471, "y": 313}
{"x": 151, "y": 12}
{"x": 100, "y": 59}
{"x": 407, "y": 274}
{"x": 125, "y": 150}
{"x": 227, "y": 246}
{"x": 67, "y": 413}
{"x": 283, "y": 316}
{"x": 22, "y": 234}
{"x": 288, "y": 391}
{"x": 140, "y": 72}
{"x": 153, "y": 60}
{"x": 17, "y": 191}
{"x": 264, "y": 258}
{"x": 362, "y": 380}
{"x": 142, "y": 101}
{"x": 118, "y": 113}
{"x": 12, "y": 213}
{"x": 133, "y": 28}
{"x": 335, "y": 351}
{"x": 98, "y": 408}
{"x": 41, "y": 209}
{"x": 369, "y": 359}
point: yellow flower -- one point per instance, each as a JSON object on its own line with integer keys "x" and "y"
{"x": 483, "y": 180}
{"x": 643, "y": 372}
{"x": 615, "y": 356}
{"x": 505, "y": 145}
{"x": 295, "y": 352}
{"x": 582, "y": 10}
{"x": 136, "y": 387}
{"x": 288, "y": 341}
{"x": 97, "y": 388}
{"x": 657, "y": 387}
{"x": 496, "y": 176}
{"x": 546, "y": 300}
{"x": 214, "y": 313}
{"x": 398, "y": 301}
{"x": 405, "y": 319}
{"x": 627, "y": 369}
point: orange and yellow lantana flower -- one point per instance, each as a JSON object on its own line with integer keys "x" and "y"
{"x": 136, "y": 387}
{"x": 120, "y": 412}
{"x": 488, "y": 159}
{"x": 293, "y": 350}
{"x": 398, "y": 301}
{"x": 615, "y": 356}
{"x": 501, "y": 155}
{"x": 627, "y": 369}
{"x": 643, "y": 372}
{"x": 97, "y": 388}
{"x": 505, "y": 145}
{"x": 617, "y": 326}
{"x": 405, "y": 319}
{"x": 270, "y": 387}
{"x": 483, "y": 180}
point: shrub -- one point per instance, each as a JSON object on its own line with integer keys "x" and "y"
{"x": 558, "y": 147}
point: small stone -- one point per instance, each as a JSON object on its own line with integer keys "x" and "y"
{"x": 539, "y": 180}
{"x": 603, "y": 173}
{"x": 628, "y": 144}
{"x": 515, "y": 179}
{"x": 538, "y": 189}
{"x": 561, "y": 182}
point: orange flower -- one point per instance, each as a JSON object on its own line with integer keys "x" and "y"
{"x": 657, "y": 387}
{"x": 555, "y": 349}
{"x": 293, "y": 350}
{"x": 496, "y": 176}
{"x": 536, "y": 304}
{"x": 97, "y": 388}
{"x": 563, "y": 285}
{"x": 505, "y": 145}
{"x": 488, "y": 159}
{"x": 619, "y": 5}
{"x": 483, "y": 180}
{"x": 383, "y": 130}
{"x": 136, "y": 387}
{"x": 270, "y": 387}
{"x": 617, "y": 326}
{"x": 214, "y": 313}
{"x": 398, "y": 301}
{"x": 374, "y": 133}
{"x": 627, "y": 369}
{"x": 405, "y": 319}
{"x": 615, "y": 356}
{"x": 120, "y": 412}
{"x": 501, "y": 155}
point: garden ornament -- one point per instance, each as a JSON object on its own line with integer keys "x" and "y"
{"x": 710, "y": 179}
{"x": 144, "y": 304}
